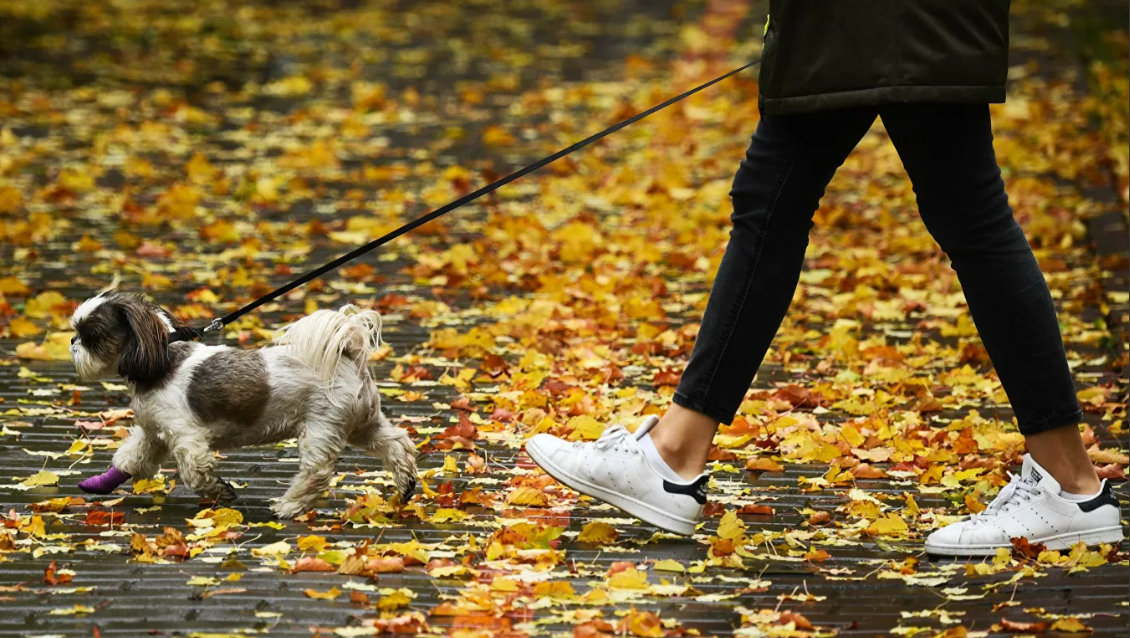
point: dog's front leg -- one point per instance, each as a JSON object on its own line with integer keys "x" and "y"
{"x": 318, "y": 450}
{"x": 140, "y": 455}
{"x": 197, "y": 465}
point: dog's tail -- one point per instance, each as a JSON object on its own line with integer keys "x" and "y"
{"x": 326, "y": 337}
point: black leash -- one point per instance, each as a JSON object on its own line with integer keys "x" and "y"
{"x": 466, "y": 199}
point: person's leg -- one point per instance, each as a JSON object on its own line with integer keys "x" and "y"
{"x": 776, "y": 190}
{"x": 947, "y": 151}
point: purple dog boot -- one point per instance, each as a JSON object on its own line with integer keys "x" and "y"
{"x": 105, "y": 482}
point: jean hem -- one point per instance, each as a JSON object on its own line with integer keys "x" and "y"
{"x": 1047, "y": 424}
{"x": 699, "y": 405}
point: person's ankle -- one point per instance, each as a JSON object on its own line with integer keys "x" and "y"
{"x": 1085, "y": 483}
{"x": 674, "y": 453}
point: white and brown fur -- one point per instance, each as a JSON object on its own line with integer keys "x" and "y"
{"x": 190, "y": 399}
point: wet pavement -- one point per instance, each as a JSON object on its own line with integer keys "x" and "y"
{"x": 453, "y": 70}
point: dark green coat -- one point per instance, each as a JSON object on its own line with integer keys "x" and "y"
{"x": 830, "y": 54}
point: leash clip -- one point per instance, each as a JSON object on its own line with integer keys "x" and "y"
{"x": 215, "y": 325}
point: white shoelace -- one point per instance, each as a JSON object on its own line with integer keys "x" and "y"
{"x": 617, "y": 437}
{"x": 1019, "y": 490}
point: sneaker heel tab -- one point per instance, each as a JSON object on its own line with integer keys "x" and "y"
{"x": 695, "y": 490}
{"x": 1106, "y": 497}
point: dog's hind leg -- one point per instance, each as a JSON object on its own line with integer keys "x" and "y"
{"x": 394, "y": 447}
{"x": 140, "y": 455}
{"x": 196, "y": 464}
{"x": 318, "y": 450}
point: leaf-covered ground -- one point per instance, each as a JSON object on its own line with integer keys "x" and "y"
{"x": 206, "y": 152}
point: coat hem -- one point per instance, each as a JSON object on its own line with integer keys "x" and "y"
{"x": 880, "y": 96}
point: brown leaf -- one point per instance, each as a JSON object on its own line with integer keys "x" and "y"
{"x": 1021, "y": 548}
{"x": 385, "y": 565}
{"x": 819, "y": 518}
{"x": 312, "y": 564}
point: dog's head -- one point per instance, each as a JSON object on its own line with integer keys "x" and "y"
{"x": 122, "y": 332}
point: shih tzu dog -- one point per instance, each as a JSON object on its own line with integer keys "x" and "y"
{"x": 189, "y": 399}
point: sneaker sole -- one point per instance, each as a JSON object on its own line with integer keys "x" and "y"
{"x": 1056, "y": 542}
{"x": 639, "y": 509}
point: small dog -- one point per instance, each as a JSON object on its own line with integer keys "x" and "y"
{"x": 189, "y": 398}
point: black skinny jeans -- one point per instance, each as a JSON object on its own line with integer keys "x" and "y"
{"x": 947, "y": 150}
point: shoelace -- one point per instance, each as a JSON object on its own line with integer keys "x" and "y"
{"x": 616, "y": 437}
{"x": 1019, "y": 490}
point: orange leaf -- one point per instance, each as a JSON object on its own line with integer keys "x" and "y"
{"x": 761, "y": 464}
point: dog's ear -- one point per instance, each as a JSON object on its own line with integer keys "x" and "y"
{"x": 144, "y": 356}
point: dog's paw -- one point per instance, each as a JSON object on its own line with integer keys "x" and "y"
{"x": 226, "y": 493}
{"x": 283, "y": 508}
{"x": 407, "y": 490}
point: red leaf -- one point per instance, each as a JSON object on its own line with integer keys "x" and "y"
{"x": 1017, "y": 627}
{"x": 51, "y": 577}
{"x": 104, "y": 517}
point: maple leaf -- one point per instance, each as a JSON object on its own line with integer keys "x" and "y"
{"x": 598, "y": 533}
{"x": 52, "y": 576}
{"x": 41, "y": 478}
{"x": 1021, "y": 548}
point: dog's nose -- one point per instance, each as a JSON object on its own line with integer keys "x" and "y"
{"x": 74, "y": 339}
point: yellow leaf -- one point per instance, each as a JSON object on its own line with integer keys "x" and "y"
{"x": 1071, "y": 625}
{"x": 396, "y": 599}
{"x": 280, "y": 548}
{"x": 497, "y": 136}
{"x": 819, "y": 451}
{"x": 334, "y": 592}
{"x": 155, "y": 485}
{"x": 42, "y": 477}
{"x": 55, "y": 347}
{"x": 504, "y": 584}
{"x": 210, "y": 517}
{"x": 311, "y": 543}
{"x": 448, "y": 515}
{"x": 668, "y": 565}
{"x": 528, "y": 496}
{"x": 44, "y": 304}
{"x": 584, "y": 427}
{"x": 202, "y": 581}
{"x": 911, "y": 504}
{"x": 1003, "y": 557}
{"x": 71, "y": 611}
{"x": 20, "y": 328}
{"x": 889, "y": 525}
{"x": 598, "y": 533}
{"x": 731, "y": 527}
{"x": 450, "y": 465}
{"x": 851, "y": 434}
{"x": 14, "y": 287}
{"x": 630, "y": 578}
{"x": 87, "y": 244}
{"x": 554, "y": 589}
{"x": 973, "y": 504}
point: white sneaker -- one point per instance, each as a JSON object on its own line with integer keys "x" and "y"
{"x": 1030, "y": 506}
{"x": 615, "y": 470}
